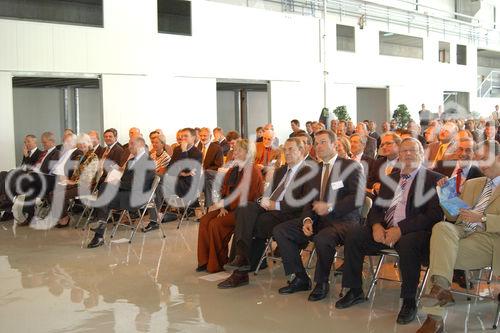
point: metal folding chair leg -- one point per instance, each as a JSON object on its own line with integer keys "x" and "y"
{"x": 423, "y": 284}
{"x": 267, "y": 249}
{"x": 139, "y": 225}
{"x": 497, "y": 318}
{"x": 117, "y": 224}
{"x": 311, "y": 257}
{"x": 375, "y": 277}
{"x": 184, "y": 214}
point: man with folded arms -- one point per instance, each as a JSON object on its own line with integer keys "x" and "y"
{"x": 255, "y": 221}
{"x": 472, "y": 242}
{"x": 402, "y": 218}
{"x": 339, "y": 185}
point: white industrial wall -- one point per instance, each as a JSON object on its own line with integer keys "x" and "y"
{"x": 153, "y": 80}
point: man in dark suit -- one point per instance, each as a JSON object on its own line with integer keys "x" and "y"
{"x": 96, "y": 143}
{"x": 42, "y": 181}
{"x": 31, "y": 153}
{"x": 372, "y": 131}
{"x": 402, "y": 218}
{"x": 308, "y": 145}
{"x": 339, "y": 188}
{"x": 371, "y": 143}
{"x": 256, "y": 220}
{"x": 113, "y": 154}
{"x": 358, "y": 144}
{"x": 221, "y": 140}
{"x": 386, "y": 164}
{"x": 213, "y": 159}
{"x": 181, "y": 179}
{"x": 131, "y": 192}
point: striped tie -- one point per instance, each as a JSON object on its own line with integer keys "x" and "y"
{"x": 389, "y": 215}
{"x": 484, "y": 199}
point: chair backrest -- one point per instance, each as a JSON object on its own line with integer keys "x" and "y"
{"x": 367, "y": 205}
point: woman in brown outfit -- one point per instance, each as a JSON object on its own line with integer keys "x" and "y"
{"x": 217, "y": 226}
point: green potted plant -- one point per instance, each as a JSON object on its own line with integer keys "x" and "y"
{"x": 341, "y": 113}
{"x": 402, "y": 116}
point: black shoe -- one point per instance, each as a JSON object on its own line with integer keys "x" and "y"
{"x": 96, "y": 242}
{"x": 297, "y": 284}
{"x": 151, "y": 226}
{"x": 319, "y": 292}
{"x": 59, "y": 226}
{"x": 350, "y": 299}
{"x": 407, "y": 313}
{"x": 201, "y": 268}
{"x": 7, "y": 216}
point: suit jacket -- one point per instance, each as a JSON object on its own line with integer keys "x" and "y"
{"x": 49, "y": 161}
{"x": 377, "y": 166}
{"x": 115, "y": 155}
{"x": 184, "y": 182}
{"x": 470, "y": 194}
{"x": 371, "y": 147}
{"x": 72, "y": 163}
{"x": 214, "y": 157}
{"x": 225, "y": 146}
{"x": 420, "y": 216}
{"x": 297, "y": 193}
{"x": 346, "y": 191}
{"x": 447, "y": 170}
{"x": 273, "y": 154}
{"x": 99, "y": 151}
{"x": 31, "y": 160}
{"x": 143, "y": 167}
{"x": 255, "y": 189}
{"x": 433, "y": 149}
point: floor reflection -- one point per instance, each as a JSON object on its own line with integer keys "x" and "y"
{"x": 51, "y": 284}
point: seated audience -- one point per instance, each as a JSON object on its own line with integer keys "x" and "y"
{"x": 216, "y": 227}
{"x": 343, "y": 146}
{"x": 221, "y": 140}
{"x": 159, "y": 153}
{"x": 401, "y": 218}
{"x": 231, "y": 137}
{"x": 212, "y": 160}
{"x": 339, "y": 187}
{"x": 471, "y": 242}
{"x": 256, "y": 220}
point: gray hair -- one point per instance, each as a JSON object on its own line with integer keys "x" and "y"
{"x": 84, "y": 139}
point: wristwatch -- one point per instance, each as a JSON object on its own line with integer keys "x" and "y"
{"x": 330, "y": 208}
{"x": 483, "y": 219}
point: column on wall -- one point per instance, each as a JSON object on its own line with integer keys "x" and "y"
{"x": 7, "y": 124}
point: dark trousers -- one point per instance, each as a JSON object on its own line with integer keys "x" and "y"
{"x": 253, "y": 225}
{"x": 121, "y": 200}
{"x": 40, "y": 186}
{"x": 291, "y": 240}
{"x": 412, "y": 248}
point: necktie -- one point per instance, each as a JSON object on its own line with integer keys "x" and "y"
{"x": 281, "y": 188}
{"x": 459, "y": 180}
{"x": 389, "y": 215}
{"x": 324, "y": 181}
{"x": 440, "y": 153}
{"x": 484, "y": 199}
{"x": 40, "y": 160}
{"x": 204, "y": 151}
{"x": 106, "y": 153}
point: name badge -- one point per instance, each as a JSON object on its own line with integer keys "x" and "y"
{"x": 337, "y": 185}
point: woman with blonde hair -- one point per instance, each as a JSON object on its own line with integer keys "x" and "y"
{"x": 217, "y": 226}
{"x": 83, "y": 176}
{"x": 159, "y": 153}
{"x": 343, "y": 147}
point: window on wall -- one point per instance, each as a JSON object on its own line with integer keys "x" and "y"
{"x": 174, "y": 17}
{"x": 345, "y": 38}
{"x": 461, "y": 54}
{"x": 444, "y": 52}
{"x": 79, "y": 12}
{"x": 397, "y": 45}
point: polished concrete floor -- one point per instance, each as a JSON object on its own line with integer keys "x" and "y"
{"x": 50, "y": 283}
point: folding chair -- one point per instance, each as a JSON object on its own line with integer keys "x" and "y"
{"x": 376, "y": 275}
{"x": 87, "y": 200}
{"x": 177, "y": 203}
{"x": 497, "y": 318}
{"x": 124, "y": 213}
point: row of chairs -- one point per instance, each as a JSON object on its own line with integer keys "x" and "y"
{"x": 375, "y": 272}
